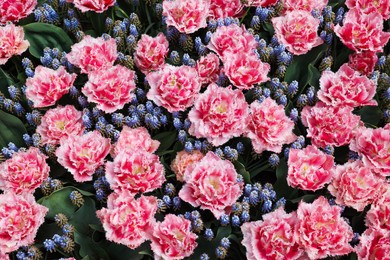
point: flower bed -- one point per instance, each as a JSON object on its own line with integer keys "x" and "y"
{"x": 182, "y": 129}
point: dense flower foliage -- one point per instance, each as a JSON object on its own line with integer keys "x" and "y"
{"x": 183, "y": 129}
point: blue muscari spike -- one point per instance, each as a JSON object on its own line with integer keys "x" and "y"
{"x": 278, "y": 49}
{"x": 209, "y": 234}
{"x": 132, "y": 121}
{"x": 274, "y": 83}
{"x": 163, "y": 119}
{"x": 100, "y": 194}
{"x": 294, "y": 114}
{"x": 186, "y": 58}
{"x": 225, "y": 242}
{"x": 207, "y": 37}
{"x": 29, "y": 72}
{"x": 20, "y": 255}
{"x": 38, "y": 15}
{"x": 212, "y": 24}
{"x": 177, "y": 123}
{"x": 247, "y": 189}
{"x": 27, "y": 139}
{"x": 171, "y": 33}
{"x": 219, "y": 152}
{"x": 82, "y": 101}
{"x": 188, "y": 147}
{"x": 327, "y": 11}
{"x": 55, "y": 52}
{"x": 283, "y": 100}
{"x": 19, "y": 109}
{"x": 87, "y": 121}
{"x": 236, "y": 221}
{"x": 7, "y": 152}
{"x": 329, "y": 39}
{"x": 267, "y": 206}
{"x": 176, "y": 203}
{"x": 152, "y": 121}
{"x": 8, "y": 104}
{"x": 255, "y": 22}
{"x": 266, "y": 92}
{"x": 49, "y": 245}
{"x": 167, "y": 200}
{"x": 329, "y": 150}
{"x": 339, "y": 15}
{"x": 240, "y": 147}
{"x": 133, "y": 30}
{"x": 198, "y": 145}
{"x": 124, "y": 26}
{"x": 12, "y": 147}
{"x": 55, "y": 64}
{"x": 13, "y": 92}
{"x": 74, "y": 92}
{"x": 174, "y": 57}
{"x": 302, "y": 100}
{"x": 26, "y": 63}
{"x": 46, "y": 59}
{"x": 228, "y": 21}
{"x": 187, "y": 215}
{"x": 182, "y": 136}
{"x": 274, "y": 160}
{"x": 254, "y": 197}
{"x": 198, "y": 43}
{"x": 224, "y": 219}
{"x": 292, "y": 88}
{"x": 71, "y": 13}
{"x": 245, "y": 217}
{"x": 75, "y": 24}
{"x": 280, "y": 203}
{"x": 191, "y": 63}
{"x": 220, "y": 22}
{"x": 284, "y": 58}
{"x": 67, "y": 24}
{"x": 386, "y": 95}
{"x": 117, "y": 31}
{"x": 262, "y": 44}
{"x": 149, "y": 106}
{"x": 156, "y": 111}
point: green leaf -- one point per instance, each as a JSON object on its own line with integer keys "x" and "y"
{"x": 166, "y": 140}
{"x": 59, "y": 202}
{"x": 85, "y": 216}
{"x": 12, "y": 130}
{"x": 41, "y": 35}
{"x": 370, "y": 115}
{"x": 89, "y": 248}
{"x": 117, "y": 251}
{"x": 98, "y": 22}
{"x": 241, "y": 170}
{"x": 300, "y": 68}
{"x": 281, "y": 187}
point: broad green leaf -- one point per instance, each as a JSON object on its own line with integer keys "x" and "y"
{"x": 117, "y": 251}
{"x": 300, "y": 68}
{"x": 41, "y": 35}
{"x": 85, "y": 216}
{"x": 370, "y": 115}
{"x": 98, "y": 22}
{"x": 59, "y": 202}
{"x": 12, "y": 130}
{"x": 281, "y": 187}
{"x": 241, "y": 170}
{"x": 166, "y": 140}
{"x": 89, "y": 248}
